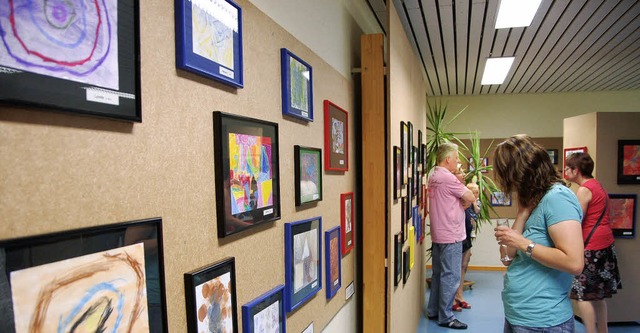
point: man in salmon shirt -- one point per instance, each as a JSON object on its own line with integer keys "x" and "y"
{"x": 447, "y": 196}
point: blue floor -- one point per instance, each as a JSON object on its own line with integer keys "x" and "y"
{"x": 486, "y": 314}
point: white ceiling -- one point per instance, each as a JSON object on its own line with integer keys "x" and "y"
{"x": 571, "y": 45}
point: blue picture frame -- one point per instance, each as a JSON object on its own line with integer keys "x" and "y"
{"x": 261, "y": 307}
{"x": 303, "y": 261}
{"x": 223, "y": 18}
{"x": 297, "y": 86}
{"x": 332, "y": 241}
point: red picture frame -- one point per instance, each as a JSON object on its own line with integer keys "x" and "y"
{"x": 347, "y": 222}
{"x": 569, "y": 151}
{"x": 336, "y": 137}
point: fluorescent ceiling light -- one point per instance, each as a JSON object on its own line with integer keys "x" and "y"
{"x": 516, "y": 13}
{"x": 496, "y": 70}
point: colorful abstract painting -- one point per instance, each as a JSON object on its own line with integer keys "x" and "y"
{"x": 299, "y": 76}
{"x": 99, "y": 292}
{"x": 213, "y": 25}
{"x": 310, "y": 182}
{"x": 250, "y": 174}
{"x": 72, "y": 39}
{"x": 214, "y": 304}
{"x": 305, "y": 259}
{"x": 631, "y": 160}
{"x": 621, "y": 213}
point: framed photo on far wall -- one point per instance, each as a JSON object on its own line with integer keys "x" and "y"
{"x": 72, "y": 57}
{"x": 308, "y": 174}
{"x": 54, "y": 279}
{"x": 297, "y": 86}
{"x": 622, "y": 214}
{"x": 404, "y": 142}
{"x": 628, "y": 161}
{"x": 303, "y": 261}
{"x": 347, "y": 222}
{"x": 265, "y": 313}
{"x": 336, "y": 137}
{"x": 567, "y": 153}
{"x": 196, "y": 24}
{"x": 247, "y": 172}
{"x": 397, "y": 258}
{"x": 500, "y": 199}
{"x": 333, "y": 259}
{"x": 553, "y": 155}
{"x": 210, "y": 293}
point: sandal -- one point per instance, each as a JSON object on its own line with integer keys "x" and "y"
{"x": 456, "y": 307}
{"x": 464, "y": 305}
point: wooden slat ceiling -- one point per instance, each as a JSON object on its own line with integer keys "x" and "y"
{"x": 571, "y": 45}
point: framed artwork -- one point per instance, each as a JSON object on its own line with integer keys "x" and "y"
{"x": 247, "y": 170}
{"x": 347, "y": 222}
{"x": 628, "y": 161}
{"x": 424, "y": 159}
{"x": 412, "y": 246}
{"x": 265, "y": 313}
{"x": 405, "y": 266}
{"x": 297, "y": 86}
{"x": 397, "y": 258}
{"x": 500, "y": 199}
{"x": 404, "y": 219}
{"x": 210, "y": 293}
{"x": 397, "y": 172}
{"x": 485, "y": 163}
{"x": 569, "y": 151}
{"x": 336, "y": 137}
{"x": 404, "y": 141}
{"x": 308, "y": 174}
{"x": 94, "y": 71}
{"x": 114, "y": 271}
{"x": 410, "y": 166}
{"x": 303, "y": 261}
{"x": 622, "y": 214}
{"x": 420, "y": 156}
{"x": 209, "y": 39}
{"x": 415, "y": 172}
{"x": 334, "y": 262}
{"x": 553, "y": 155}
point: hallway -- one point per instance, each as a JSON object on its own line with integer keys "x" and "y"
{"x": 486, "y": 314}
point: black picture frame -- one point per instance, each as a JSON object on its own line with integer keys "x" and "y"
{"x": 622, "y": 214}
{"x": 79, "y": 73}
{"x": 404, "y": 145}
{"x": 303, "y": 261}
{"x": 308, "y": 174}
{"x": 406, "y": 266}
{"x": 211, "y": 290}
{"x": 553, "y": 155}
{"x": 262, "y": 203}
{"x": 261, "y": 311}
{"x": 397, "y": 172}
{"x": 104, "y": 264}
{"x": 397, "y": 271}
{"x": 297, "y": 78}
{"x": 222, "y": 20}
{"x": 628, "y": 162}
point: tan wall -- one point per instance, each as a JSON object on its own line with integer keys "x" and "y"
{"x": 600, "y": 132}
{"x": 61, "y": 172}
{"x": 407, "y": 102}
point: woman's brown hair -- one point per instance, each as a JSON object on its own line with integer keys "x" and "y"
{"x": 524, "y": 167}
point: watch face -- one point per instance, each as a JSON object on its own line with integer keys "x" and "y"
{"x": 530, "y": 248}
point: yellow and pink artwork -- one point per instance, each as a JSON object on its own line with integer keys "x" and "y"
{"x": 250, "y": 174}
{"x": 99, "y": 292}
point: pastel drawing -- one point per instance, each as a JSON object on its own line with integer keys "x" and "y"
{"x": 249, "y": 172}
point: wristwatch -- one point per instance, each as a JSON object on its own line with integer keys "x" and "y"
{"x": 530, "y": 248}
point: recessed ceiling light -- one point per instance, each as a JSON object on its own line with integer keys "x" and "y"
{"x": 516, "y": 13}
{"x": 496, "y": 70}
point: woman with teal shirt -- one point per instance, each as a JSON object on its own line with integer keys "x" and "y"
{"x": 545, "y": 240}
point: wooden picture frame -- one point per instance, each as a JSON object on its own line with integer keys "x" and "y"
{"x": 628, "y": 162}
{"x": 94, "y": 71}
{"x": 567, "y": 152}
{"x": 111, "y": 266}
{"x": 210, "y": 294}
{"x": 303, "y": 261}
{"x": 297, "y": 86}
{"x": 265, "y": 313}
{"x": 308, "y": 174}
{"x": 622, "y": 214}
{"x": 333, "y": 259}
{"x": 247, "y": 193}
{"x": 336, "y": 137}
{"x": 199, "y": 21}
{"x": 347, "y": 222}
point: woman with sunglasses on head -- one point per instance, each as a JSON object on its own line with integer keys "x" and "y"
{"x": 546, "y": 246}
{"x": 600, "y": 278}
